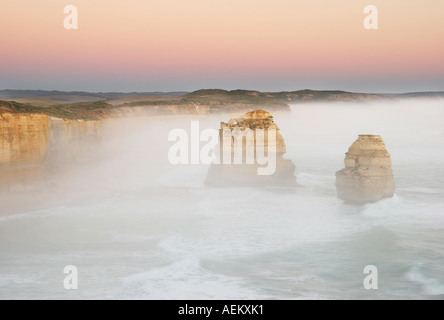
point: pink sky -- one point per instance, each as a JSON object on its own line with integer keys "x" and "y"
{"x": 208, "y": 43}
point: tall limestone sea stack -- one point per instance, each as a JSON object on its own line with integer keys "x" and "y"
{"x": 257, "y": 119}
{"x": 368, "y": 175}
{"x": 247, "y": 174}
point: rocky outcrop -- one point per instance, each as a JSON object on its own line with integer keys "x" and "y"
{"x": 248, "y": 173}
{"x": 367, "y": 176}
{"x": 253, "y": 120}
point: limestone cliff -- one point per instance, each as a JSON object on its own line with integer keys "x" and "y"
{"x": 246, "y": 174}
{"x": 31, "y": 144}
{"x": 23, "y": 138}
{"x": 23, "y": 146}
{"x": 73, "y": 140}
{"x": 367, "y": 176}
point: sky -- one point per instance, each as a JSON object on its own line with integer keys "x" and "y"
{"x": 177, "y": 45}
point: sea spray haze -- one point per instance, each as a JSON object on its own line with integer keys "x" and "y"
{"x": 136, "y": 226}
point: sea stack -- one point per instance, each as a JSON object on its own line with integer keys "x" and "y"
{"x": 367, "y": 176}
{"x": 271, "y": 144}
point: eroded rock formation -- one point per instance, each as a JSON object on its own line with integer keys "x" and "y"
{"x": 254, "y": 120}
{"x": 265, "y": 140}
{"x": 367, "y": 176}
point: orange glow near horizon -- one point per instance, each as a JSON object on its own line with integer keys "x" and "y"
{"x": 228, "y": 38}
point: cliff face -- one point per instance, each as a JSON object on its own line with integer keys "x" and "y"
{"x": 23, "y": 138}
{"x": 161, "y": 110}
{"x": 302, "y": 96}
{"x": 24, "y": 142}
{"x": 367, "y": 176}
{"x": 29, "y": 139}
{"x": 73, "y": 140}
{"x": 245, "y": 173}
{"x": 30, "y": 144}
{"x": 185, "y": 108}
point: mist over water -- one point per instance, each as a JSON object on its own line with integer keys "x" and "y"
{"x": 138, "y": 227}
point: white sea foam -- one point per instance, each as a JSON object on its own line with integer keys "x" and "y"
{"x": 429, "y": 286}
{"x": 186, "y": 279}
{"x": 138, "y": 227}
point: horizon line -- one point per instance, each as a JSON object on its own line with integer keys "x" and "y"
{"x": 251, "y": 90}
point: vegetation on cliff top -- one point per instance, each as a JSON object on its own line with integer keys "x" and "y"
{"x": 81, "y": 110}
{"x": 238, "y": 96}
{"x": 214, "y": 100}
{"x": 218, "y": 99}
{"x": 325, "y": 95}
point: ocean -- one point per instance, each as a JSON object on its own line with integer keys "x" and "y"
{"x": 137, "y": 227}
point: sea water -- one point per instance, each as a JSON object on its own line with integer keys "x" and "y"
{"x": 137, "y": 227}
